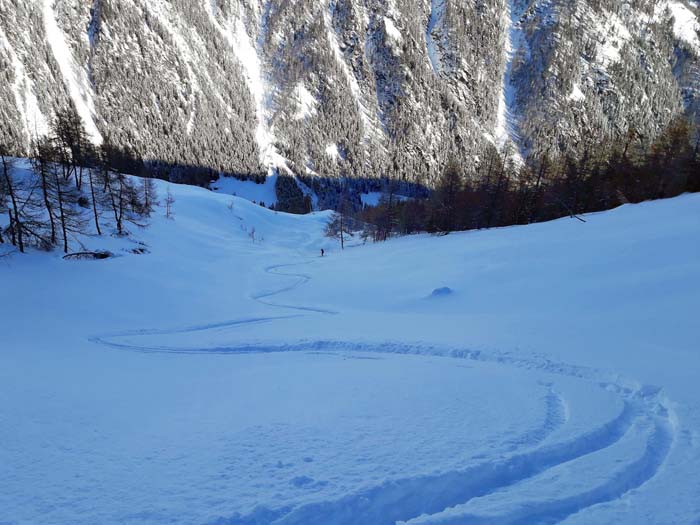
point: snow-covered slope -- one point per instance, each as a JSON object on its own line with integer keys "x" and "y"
{"x": 545, "y": 373}
{"x": 253, "y": 86}
{"x": 260, "y": 193}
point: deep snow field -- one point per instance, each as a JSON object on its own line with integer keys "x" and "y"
{"x": 553, "y": 377}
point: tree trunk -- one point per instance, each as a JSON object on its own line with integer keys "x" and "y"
{"x": 122, "y": 205}
{"x": 62, "y": 215}
{"x": 94, "y": 203}
{"x": 113, "y": 202}
{"x": 78, "y": 177}
{"x": 17, "y": 222}
{"x": 47, "y": 202}
{"x": 13, "y": 233}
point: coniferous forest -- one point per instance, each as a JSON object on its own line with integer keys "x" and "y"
{"x": 72, "y": 188}
{"x": 503, "y": 193}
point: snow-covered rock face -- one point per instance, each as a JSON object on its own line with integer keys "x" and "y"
{"x": 246, "y": 86}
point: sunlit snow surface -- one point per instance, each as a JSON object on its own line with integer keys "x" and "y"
{"x": 685, "y": 23}
{"x": 225, "y": 380}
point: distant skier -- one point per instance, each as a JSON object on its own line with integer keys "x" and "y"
{"x": 322, "y": 252}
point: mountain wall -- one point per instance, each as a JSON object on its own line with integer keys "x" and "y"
{"x": 346, "y": 88}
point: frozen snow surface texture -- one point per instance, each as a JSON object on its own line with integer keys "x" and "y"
{"x": 231, "y": 375}
{"x": 252, "y": 87}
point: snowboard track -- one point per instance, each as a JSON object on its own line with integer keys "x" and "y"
{"x": 405, "y": 499}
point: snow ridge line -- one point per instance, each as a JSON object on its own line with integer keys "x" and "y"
{"x": 405, "y": 499}
{"x": 556, "y": 416}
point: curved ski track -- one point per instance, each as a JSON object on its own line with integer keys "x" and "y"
{"x": 428, "y": 497}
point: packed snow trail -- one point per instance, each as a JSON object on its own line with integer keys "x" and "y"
{"x": 437, "y": 499}
{"x": 302, "y": 278}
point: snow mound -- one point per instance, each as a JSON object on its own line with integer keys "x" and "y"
{"x": 442, "y": 292}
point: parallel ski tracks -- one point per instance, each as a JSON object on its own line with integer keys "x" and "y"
{"x": 427, "y": 499}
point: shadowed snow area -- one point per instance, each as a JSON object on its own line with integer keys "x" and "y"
{"x": 247, "y": 189}
{"x": 233, "y": 376}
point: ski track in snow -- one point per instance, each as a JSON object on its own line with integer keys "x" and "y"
{"x": 439, "y": 498}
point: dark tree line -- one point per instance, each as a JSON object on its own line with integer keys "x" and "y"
{"x": 290, "y": 198}
{"x": 546, "y": 188}
{"x": 71, "y": 189}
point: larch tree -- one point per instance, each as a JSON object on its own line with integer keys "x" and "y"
{"x": 16, "y": 229}
{"x": 44, "y": 156}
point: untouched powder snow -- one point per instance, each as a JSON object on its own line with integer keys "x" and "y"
{"x": 391, "y": 30}
{"x": 373, "y": 198}
{"x": 576, "y": 94}
{"x": 615, "y": 36}
{"x": 74, "y": 76}
{"x": 332, "y": 151}
{"x": 307, "y": 103}
{"x": 231, "y": 375}
{"x": 249, "y": 190}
